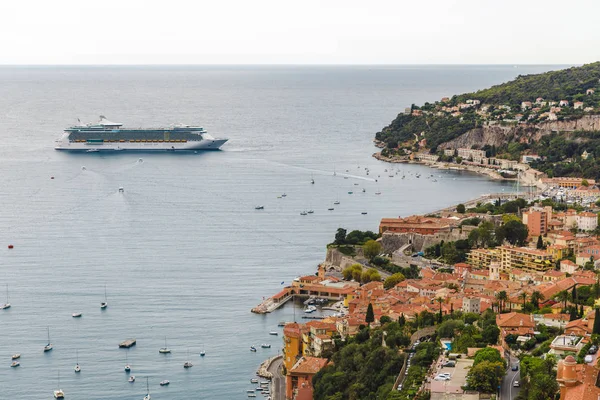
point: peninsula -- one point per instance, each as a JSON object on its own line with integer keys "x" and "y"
{"x": 548, "y": 123}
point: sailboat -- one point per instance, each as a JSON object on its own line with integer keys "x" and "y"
{"x": 164, "y": 350}
{"x": 59, "y": 394}
{"x": 77, "y": 367}
{"x": 48, "y": 347}
{"x": 104, "y": 304}
{"x": 188, "y": 364}
{"x": 7, "y": 304}
{"x": 147, "y": 396}
{"x": 127, "y": 366}
{"x": 202, "y": 352}
{"x": 312, "y": 179}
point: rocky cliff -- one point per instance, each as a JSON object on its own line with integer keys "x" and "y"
{"x": 497, "y": 135}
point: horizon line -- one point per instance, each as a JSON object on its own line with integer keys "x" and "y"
{"x": 285, "y": 65}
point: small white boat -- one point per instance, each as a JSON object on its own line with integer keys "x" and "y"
{"x": 250, "y": 391}
{"x": 303, "y": 213}
{"x": 311, "y": 211}
{"x": 15, "y": 364}
{"x": 131, "y": 379}
{"x": 77, "y": 367}
{"x": 251, "y": 395}
{"x": 121, "y": 190}
{"x": 265, "y": 346}
{"x": 16, "y": 356}
{"x": 202, "y": 353}
{"x": 127, "y": 367}
{"x": 59, "y": 394}
{"x": 310, "y": 309}
{"x": 259, "y": 207}
{"x": 87, "y": 151}
{"x": 284, "y": 195}
{"x": 48, "y": 347}
{"x": 147, "y": 397}
{"x": 252, "y": 348}
{"x": 254, "y": 380}
{"x": 336, "y": 202}
{"x": 6, "y": 305}
{"x": 164, "y": 383}
{"x": 164, "y": 350}
{"x": 378, "y": 193}
{"x": 104, "y": 304}
{"x": 274, "y": 333}
{"x": 77, "y": 315}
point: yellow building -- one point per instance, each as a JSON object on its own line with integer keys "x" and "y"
{"x": 528, "y": 260}
{"x": 482, "y": 258}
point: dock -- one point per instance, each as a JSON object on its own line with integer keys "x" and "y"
{"x": 127, "y": 343}
{"x": 273, "y": 303}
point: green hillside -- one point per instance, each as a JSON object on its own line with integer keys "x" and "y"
{"x": 441, "y": 121}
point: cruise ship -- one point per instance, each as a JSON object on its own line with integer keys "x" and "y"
{"x": 110, "y": 136}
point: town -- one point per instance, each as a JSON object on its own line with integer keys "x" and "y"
{"x": 496, "y": 298}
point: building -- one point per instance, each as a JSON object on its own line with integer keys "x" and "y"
{"x": 587, "y": 221}
{"x": 563, "y": 103}
{"x": 514, "y": 323}
{"x": 536, "y": 219}
{"x": 577, "y": 381}
{"x": 416, "y": 224}
{"x": 527, "y": 158}
{"x": 449, "y": 152}
{"x": 465, "y": 154}
{"x": 481, "y": 258}
{"x": 568, "y": 266}
{"x": 524, "y": 258}
{"x": 578, "y": 105}
{"x": 301, "y": 374}
{"x": 566, "y": 182}
{"x": 292, "y": 345}
{"x": 427, "y": 157}
{"x": 471, "y": 305}
{"x": 525, "y": 105}
{"x": 566, "y": 344}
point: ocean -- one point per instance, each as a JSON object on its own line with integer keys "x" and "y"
{"x": 182, "y": 252}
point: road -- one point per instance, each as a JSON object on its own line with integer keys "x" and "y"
{"x": 507, "y": 390}
{"x": 278, "y": 381}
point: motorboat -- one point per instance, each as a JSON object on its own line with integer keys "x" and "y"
{"x": 252, "y": 348}
{"x": 274, "y": 333}
{"x": 265, "y": 346}
{"x": 77, "y": 315}
{"x": 281, "y": 323}
{"x": 253, "y": 380}
{"x": 364, "y": 213}
{"x": 303, "y": 213}
{"x": 336, "y": 202}
{"x": 259, "y": 207}
{"x": 377, "y": 193}
{"x": 77, "y": 368}
{"x": 164, "y": 383}
{"x": 188, "y": 364}
{"x": 311, "y": 211}
{"x": 202, "y": 353}
{"x": 310, "y": 309}
{"x": 127, "y": 367}
{"x": 284, "y": 195}
{"x": 350, "y": 192}
{"x": 16, "y": 356}
{"x": 15, "y": 364}
{"x": 250, "y": 391}
{"x": 251, "y": 395}
{"x": 330, "y": 209}
{"x": 131, "y": 379}
{"x": 121, "y": 190}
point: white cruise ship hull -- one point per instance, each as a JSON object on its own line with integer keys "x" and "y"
{"x": 205, "y": 144}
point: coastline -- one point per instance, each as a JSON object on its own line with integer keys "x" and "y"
{"x": 445, "y": 166}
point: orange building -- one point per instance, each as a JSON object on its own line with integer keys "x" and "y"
{"x": 537, "y": 220}
{"x": 301, "y": 374}
{"x": 577, "y": 382}
{"x": 292, "y": 345}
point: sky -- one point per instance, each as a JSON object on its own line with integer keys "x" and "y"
{"x": 299, "y": 32}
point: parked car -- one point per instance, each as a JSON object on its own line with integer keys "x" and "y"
{"x": 516, "y": 384}
{"x": 449, "y": 364}
{"x": 593, "y": 350}
{"x": 588, "y": 359}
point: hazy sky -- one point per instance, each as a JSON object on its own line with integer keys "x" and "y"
{"x": 299, "y": 32}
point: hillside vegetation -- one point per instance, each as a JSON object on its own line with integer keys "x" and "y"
{"x": 524, "y": 102}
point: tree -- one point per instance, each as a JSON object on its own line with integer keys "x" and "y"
{"x": 440, "y": 301}
{"x": 596, "y": 328}
{"x": 340, "y": 236}
{"x": 393, "y": 280}
{"x": 485, "y": 377}
{"x": 523, "y": 296}
{"x": 401, "y": 320}
{"x": 563, "y": 296}
{"x": 487, "y": 354}
{"x": 384, "y": 319}
{"x": 574, "y": 294}
{"x": 514, "y": 232}
{"x": 535, "y": 299}
{"x": 501, "y": 297}
{"x": 354, "y": 271}
{"x": 460, "y": 208}
{"x": 370, "y": 315}
{"x": 372, "y": 248}
{"x": 370, "y": 275}
{"x": 540, "y": 242}
{"x": 490, "y": 334}
{"x": 585, "y": 183}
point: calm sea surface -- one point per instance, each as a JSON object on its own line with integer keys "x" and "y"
{"x": 182, "y": 252}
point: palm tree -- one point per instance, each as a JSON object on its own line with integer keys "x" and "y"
{"x": 501, "y": 297}
{"x": 523, "y": 296}
{"x": 563, "y": 296}
{"x": 535, "y": 298}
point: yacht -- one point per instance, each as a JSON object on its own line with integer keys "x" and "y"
{"x": 310, "y": 309}
{"x": 7, "y": 304}
{"x": 15, "y": 364}
{"x": 48, "y": 347}
{"x": 77, "y": 367}
{"x": 164, "y": 350}
{"x": 104, "y": 304}
{"x": 147, "y": 397}
{"x": 188, "y": 364}
{"x": 164, "y": 383}
{"x": 59, "y": 394}
{"x": 16, "y": 356}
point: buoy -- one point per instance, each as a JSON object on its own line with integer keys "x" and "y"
{"x": 10, "y": 246}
